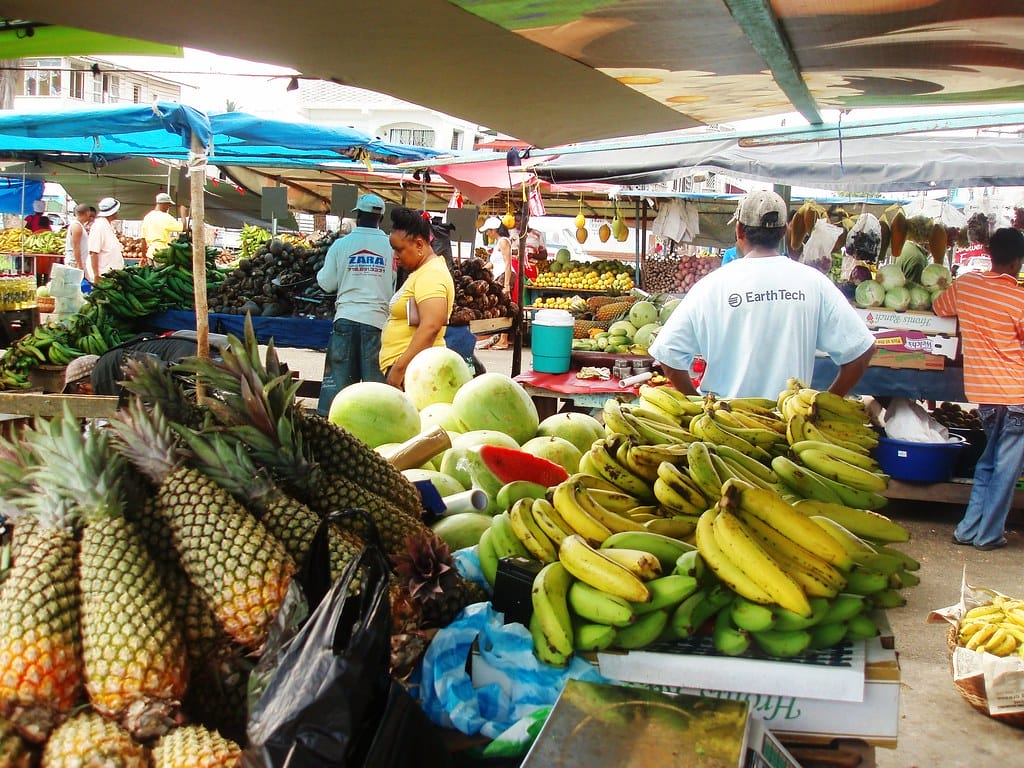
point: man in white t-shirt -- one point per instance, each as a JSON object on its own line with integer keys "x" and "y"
{"x": 361, "y": 268}
{"x": 104, "y": 247}
{"x": 758, "y": 320}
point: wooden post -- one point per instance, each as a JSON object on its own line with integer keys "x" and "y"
{"x": 197, "y": 177}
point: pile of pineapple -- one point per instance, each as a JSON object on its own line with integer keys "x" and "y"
{"x": 150, "y": 558}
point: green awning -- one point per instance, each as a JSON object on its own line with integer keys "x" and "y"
{"x": 46, "y": 40}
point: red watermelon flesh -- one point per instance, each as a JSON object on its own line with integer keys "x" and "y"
{"x": 509, "y": 464}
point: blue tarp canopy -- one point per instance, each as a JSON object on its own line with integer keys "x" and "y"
{"x": 164, "y": 131}
{"x": 17, "y": 195}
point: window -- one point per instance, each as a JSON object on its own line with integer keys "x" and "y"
{"x": 413, "y": 137}
{"x": 456, "y": 139}
{"x": 78, "y": 84}
{"x": 136, "y": 94}
{"x": 111, "y": 89}
{"x": 41, "y": 77}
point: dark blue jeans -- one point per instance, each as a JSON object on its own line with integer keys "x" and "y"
{"x": 353, "y": 354}
{"x": 995, "y": 476}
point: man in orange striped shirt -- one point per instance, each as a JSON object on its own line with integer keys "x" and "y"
{"x": 990, "y": 307}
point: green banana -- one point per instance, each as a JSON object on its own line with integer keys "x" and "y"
{"x": 510, "y": 493}
{"x": 862, "y": 460}
{"x": 487, "y": 556}
{"x": 861, "y": 627}
{"x": 863, "y": 582}
{"x": 542, "y": 647}
{"x": 782, "y": 645}
{"x": 504, "y": 539}
{"x": 695, "y": 610}
{"x": 666, "y": 593}
{"x": 786, "y": 621}
{"x": 665, "y": 548}
{"x": 551, "y": 607}
{"x": 827, "y": 635}
{"x": 803, "y": 481}
{"x": 702, "y": 471}
{"x": 729, "y": 639}
{"x": 599, "y": 607}
{"x": 908, "y": 578}
{"x": 909, "y": 563}
{"x": 592, "y": 637}
{"x": 862, "y": 553}
{"x": 752, "y": 617}
{"x": 856, "y": 497}
{"x": 691, "y": 564}
{"x": 645, "y": 631}
{"x": 844, "y": 607}
{"x": 888, "y": 598}
{"x": 867, "y": 524}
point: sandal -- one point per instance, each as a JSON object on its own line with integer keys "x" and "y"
{"x": 499, "y": 346}
{"x": 488, "y": 342}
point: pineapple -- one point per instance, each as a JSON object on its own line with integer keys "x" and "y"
{"x": 240, "y": 570}
{"x": 14, "y": 752}
{"x": 293, "y": 523}
{"x": 40, "y": 638}
{"x": 156, "y": 384}
{"x": 133, "y": 650}
{"x": 218, "y": 695}
{"x": 613, "y": 311}
{"x": 193, "y": 746}
{"x": 88, "y": 739}
{"x": 427, "y": 573}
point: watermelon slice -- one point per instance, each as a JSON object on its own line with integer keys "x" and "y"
{"x": 508, "y": 464}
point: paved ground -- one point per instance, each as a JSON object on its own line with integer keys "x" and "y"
{"x": 938, "y": 729}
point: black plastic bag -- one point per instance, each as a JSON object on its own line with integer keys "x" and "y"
{"x": 330, "y": 701}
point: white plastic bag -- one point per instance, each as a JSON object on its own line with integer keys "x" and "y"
{"x": 817, "y": 250}
{"x": 907, "y": 420}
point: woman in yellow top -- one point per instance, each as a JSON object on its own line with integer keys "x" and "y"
{"x": 420, "y": 308}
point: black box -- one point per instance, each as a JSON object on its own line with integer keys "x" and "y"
{"x": 513, "y": 585}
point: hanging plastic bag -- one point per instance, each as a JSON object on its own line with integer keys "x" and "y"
{"x": 817, "y": 250}
{"x": 329, "y": 700}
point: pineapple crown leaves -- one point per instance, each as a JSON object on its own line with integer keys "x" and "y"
{"x": 155, "y": 383}
{"x": 425, "y": 567}
{"x": 80, "y": 467}
{"x": 224, "y": 459}
{"x": 146, "y": 439}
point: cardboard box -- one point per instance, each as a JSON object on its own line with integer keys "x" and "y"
{"x": 921, "y": 361}
{"x": 915, "y": 341}
{"x": 874, "y": 719}
{"x": 925, "y": 322}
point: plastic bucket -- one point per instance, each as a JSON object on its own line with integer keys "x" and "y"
{"x": 919, "y": 462}
{"x": 551, "y": 341}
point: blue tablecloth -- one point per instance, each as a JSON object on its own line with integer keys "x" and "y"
{"x": 947, "y": 384}
{"x": 285, "y": 331}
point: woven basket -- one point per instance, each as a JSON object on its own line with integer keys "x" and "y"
{"x": 973, "y": 689}
{"x": 46, "y": 304}
{"x": 581, "y": 328}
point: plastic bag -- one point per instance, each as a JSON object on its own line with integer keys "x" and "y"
{"x": 330, "y": 701}
{"x": 906, "y": 420}
{"x": 817, "y": 251}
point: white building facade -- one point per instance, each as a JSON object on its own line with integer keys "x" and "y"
{"x": 73, "y": 82}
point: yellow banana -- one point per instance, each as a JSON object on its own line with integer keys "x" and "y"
{"x": 530, "y": 533}
{"x": 615, "y": 422}
{"x": 566, "y": 502}
{"x": 980, "y": 637}
{"x": 684, "y": 405}
{"x": 710, "y": 431}
{"x": 831, "y": 466}
{"x": 592, "y": 567}
{"x": 758, "y": 436}
{"x": 835, "y": 407}
{"x": 643, "y": 409}
{"x": 781, "y": 516}
{"x": 763, "y": 406}
{"x": 550, "y": 521}
{"x": 861, "y": 552}
{"x": 677, "y": 493}
{"x": 756, "y": 421}
{"x": 612, "y": 521}
{"x": 803, "y": 481}
{"x": 615, "y": 501}
{"x": 611, "y": 470}
{"x": 737, "y": 543}
{"x": 643, "y": 460}
{"x": 848, "y": 433}
{"x": 594, "y": 482}
{"x": 816, "y": 577}
{"x": 677, "y": 526}
{"x": 656, "y": 433}
{"x": 727, "y": 571}
{"x": 642, "y": 564}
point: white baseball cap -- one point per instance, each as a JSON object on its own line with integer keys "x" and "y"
{"x": 163, "y": 197}
{"x": 108, "y": 206}
{"x": 757, "y": 208}
{"x": 493, "y": 222}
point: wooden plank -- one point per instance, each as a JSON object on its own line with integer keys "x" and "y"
{"x": 942, "y": 493}
{"x": 38, "y": 404}
{"x": 490, "y": 325}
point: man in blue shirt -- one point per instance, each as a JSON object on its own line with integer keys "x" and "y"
{"x": 361, "y": 268}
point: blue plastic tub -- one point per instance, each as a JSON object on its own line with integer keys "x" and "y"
{"x": 919, "y": 462}
{"x": 551, "y": 341}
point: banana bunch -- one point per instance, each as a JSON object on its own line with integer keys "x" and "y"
{"x": 45, "y": 242}
{"x": 251, "y": 238}
{"x": 643, "y": 423}
{"x": 131, "y": 292}
{"x": 996, "y": 627}
{"x": 823, "y": 416}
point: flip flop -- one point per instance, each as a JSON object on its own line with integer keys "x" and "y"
{"x": 499, "y": 346}
{"x": 486, "y": 343}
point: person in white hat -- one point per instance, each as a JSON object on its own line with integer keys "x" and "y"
{"x": 362, "y": 270}
{"x": 759, "y": 320}
{"x": 104, "y": 247}
{"x": 78, "y": 375}
{"x": 158, "y": 226}
{"x": 38, "y": 221}
{"x": 501, "y": 265}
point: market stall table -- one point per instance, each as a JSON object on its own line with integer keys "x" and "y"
{"x": 547, "y": 389}
{"x": 878, "y": 381}
{"x": 301, "y": 332}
